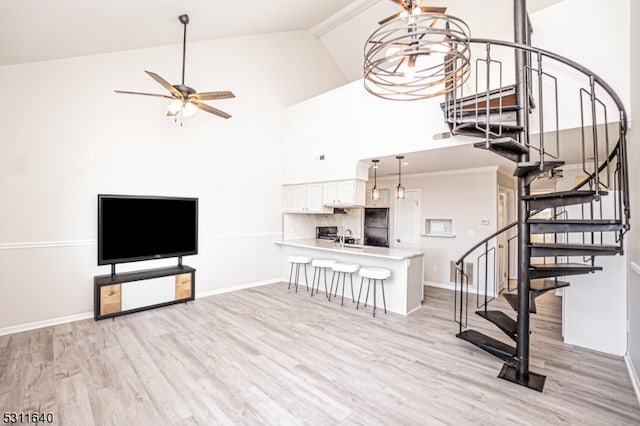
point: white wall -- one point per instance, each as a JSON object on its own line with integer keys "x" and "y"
{"x": 66, "y": 136}
{"x": 633, "y": 237}
{"x": 466, "y": 197}
{"x": 594, "y": 305}
{"x": 349, "y": 124}
{"x": 593, "y": 35}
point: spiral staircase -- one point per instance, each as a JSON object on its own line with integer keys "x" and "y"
{"x": 557, "y": 234}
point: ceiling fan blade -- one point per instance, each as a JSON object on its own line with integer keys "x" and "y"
{"x": 390, "y": 18}
{"x": 207, "y": 96}
{"x": 164, "y": 83}
{"x": 402, "y": 3}
{"x": 433, "y": 9}
{"x": 172, "y": 114}
{"x": 211, "y": 109}
{"x": 145, "y": 94}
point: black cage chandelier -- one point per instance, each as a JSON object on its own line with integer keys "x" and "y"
{"x": 417, "y": 55}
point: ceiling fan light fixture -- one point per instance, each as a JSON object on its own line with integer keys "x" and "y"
{"x": 185, "y": 101}
{"x": 189, "y": 110}
{"x": 175, "y": 106}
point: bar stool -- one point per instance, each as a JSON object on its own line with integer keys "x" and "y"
{"x": 297, "y": 261}
{"x": 319, "y": 266}
{"x": 344, "y": 269}
{"x": 375, "y": 274}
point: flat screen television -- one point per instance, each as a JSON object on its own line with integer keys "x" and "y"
{"x": 133, "y": 228}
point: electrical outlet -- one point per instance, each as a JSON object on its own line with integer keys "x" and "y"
{"x": 471, "y": 233}
{"x": 435, "y": 268}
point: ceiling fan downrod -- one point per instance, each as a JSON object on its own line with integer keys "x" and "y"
{"x": 184, "y": 19}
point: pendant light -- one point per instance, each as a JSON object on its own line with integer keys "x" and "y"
{"x": 400, "y": 189}
{"x": 417, "y": 54}
{"x": 375, "y": 192}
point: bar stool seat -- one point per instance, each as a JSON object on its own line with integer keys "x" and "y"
{"x": 297, "y": 261}
{"x": 320, "y": 265}
{"x": 343, "y": 269}
{"x": 375, "y": 274}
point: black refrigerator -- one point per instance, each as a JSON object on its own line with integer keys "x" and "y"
{"x": 376, "y": 227}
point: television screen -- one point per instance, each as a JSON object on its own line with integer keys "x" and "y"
{"x": 132, "y": 228}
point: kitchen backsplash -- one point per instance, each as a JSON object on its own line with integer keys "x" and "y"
{"x": 302, "y": 226}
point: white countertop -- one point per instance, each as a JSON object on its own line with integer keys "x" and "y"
{"x": 388, "y": 253}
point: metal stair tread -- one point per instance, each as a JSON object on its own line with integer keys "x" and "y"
{"x": 549, "y": 226}
{"x": 562, "y": 198}
{"x": 564, "y": 249}
{"x": 505, "y": 127}
{"x": 548, "y": 270}
{"x": 506, "y": 142}
{"x": 501, "y": 320}
{"x": 577, "y": 221}
{"x": 562, "y": 194}
{"x": 512, "y": 299}
{"x": 595, "y": 247}
{"x": 479, "y": 97}
{"x": 525, "y": 168}
{"x": 541, "y": 285}
{"x": 495, "y": 347}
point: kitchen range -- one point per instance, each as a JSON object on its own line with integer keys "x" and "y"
{"x": 330, "y": 233}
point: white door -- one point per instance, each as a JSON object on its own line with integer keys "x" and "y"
{"x": 407, "y": 220}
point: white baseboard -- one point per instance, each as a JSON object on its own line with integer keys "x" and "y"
{"x": 236, "y": 288}
{"x": 633, "y": 375}
{"x": 440, "y": 285}
{"x": 45, "y": 323}
{"x": 86, "y": 315}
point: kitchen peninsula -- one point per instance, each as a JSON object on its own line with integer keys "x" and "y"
{"x": 403, "y": 290}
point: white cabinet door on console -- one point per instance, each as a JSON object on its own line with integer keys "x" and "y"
{"x": 137, "y": 294}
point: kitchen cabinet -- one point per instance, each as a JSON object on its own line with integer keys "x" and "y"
{"x": 345, "y": 193}
{"x": 382, "y": 202}
{"x": 304, "y": 198}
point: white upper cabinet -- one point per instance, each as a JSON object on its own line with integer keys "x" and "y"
{"x": 304, "y": 199}
{"x": 322, "y": 197}
{"x": 344, "y": 193}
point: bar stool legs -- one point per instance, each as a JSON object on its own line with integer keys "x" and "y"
{"x": 342, "y": 269}
{"x": 375, "y": 274}
{"x": 321, "y": 265}
{"x": 297, "y": 261}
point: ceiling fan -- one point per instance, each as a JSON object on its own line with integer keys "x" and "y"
{"x": 412, "y": 7}
{"x": 186, "y": 101}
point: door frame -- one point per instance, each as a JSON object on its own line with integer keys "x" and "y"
{"x": 502, "y": 243}
{"x": 395, "y": 218}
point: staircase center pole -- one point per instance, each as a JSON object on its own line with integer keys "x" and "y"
{"x": 524, "y": 252}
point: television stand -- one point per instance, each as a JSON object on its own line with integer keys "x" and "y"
{"x": 129, "y": 292}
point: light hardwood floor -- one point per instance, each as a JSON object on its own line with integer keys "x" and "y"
{"x": 270, "y": 356}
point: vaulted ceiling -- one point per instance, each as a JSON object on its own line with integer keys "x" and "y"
{"x": 40, "y": 30}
